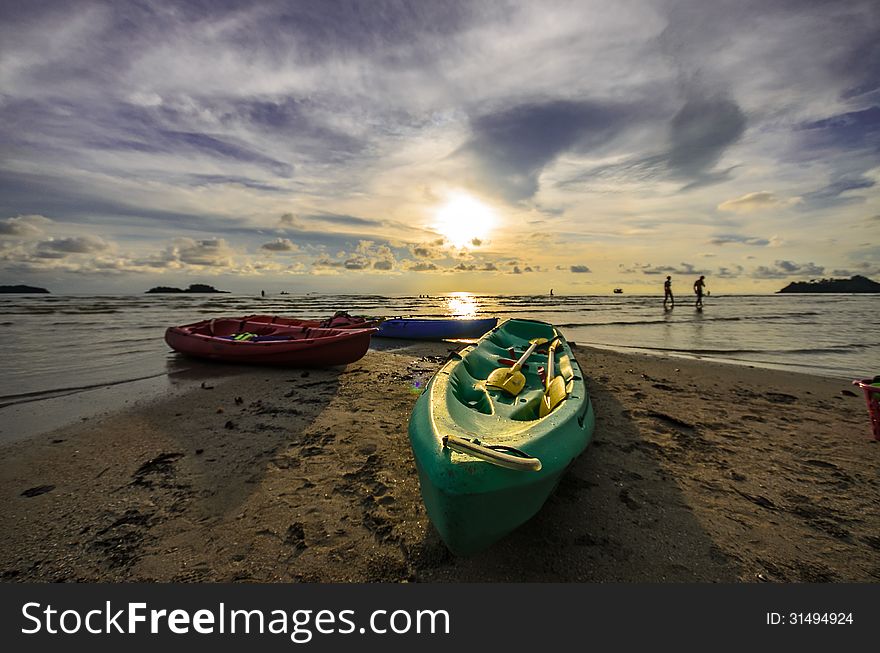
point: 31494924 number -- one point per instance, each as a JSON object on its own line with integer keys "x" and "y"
{"x": 832, "y": 618}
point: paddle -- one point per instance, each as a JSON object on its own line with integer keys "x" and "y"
{"x": 567, "y": 372}
{"x": 510, "y": 379}
{"x": 554, "y": 394}
{"x": 565, "y": 368}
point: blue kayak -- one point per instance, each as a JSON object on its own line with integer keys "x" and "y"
{"x": 437, "y": 329}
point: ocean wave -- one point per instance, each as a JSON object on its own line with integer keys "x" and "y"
{"x": 701, "y": 319}
{"x": 636, "y": 323}
{"x": 25, "y": 397}
{"x": 78, "y": 323}
{"x": 35, "y": 310}
{"x": 90, "y": 311}
{"x": 837, "y": 349}
{"x": 127, "y": 341}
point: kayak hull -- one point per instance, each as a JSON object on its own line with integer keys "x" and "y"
{"x": 437, "y": 329}
{"x": 281, "y": 345}
{"x": 472, "y": 502}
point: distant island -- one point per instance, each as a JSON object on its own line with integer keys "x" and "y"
{"x": 193, "y": 287}
{"x": 22, "y": 289}
{"x": 857, "y": 284}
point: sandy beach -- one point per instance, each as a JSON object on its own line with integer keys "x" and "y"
{"x": 698, "y": 471}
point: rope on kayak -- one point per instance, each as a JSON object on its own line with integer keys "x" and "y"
{"x": 500, "y": 455}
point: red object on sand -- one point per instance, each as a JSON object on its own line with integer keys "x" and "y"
{"x": 269, "y": 344}
{"x": 341, "y": 320}
{"x": 871, "y": 388}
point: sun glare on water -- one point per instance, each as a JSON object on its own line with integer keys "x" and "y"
{"x": 462, "y": 304}
{"x": 463, "y": 218}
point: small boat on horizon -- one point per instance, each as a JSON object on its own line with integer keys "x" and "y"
{"x": 618, "y": 291}
{"x": 234, "y": 340}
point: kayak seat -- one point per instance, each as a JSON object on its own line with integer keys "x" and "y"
{"x": 220, "y": 328}
{"x": 495, "y": 351}
{"x": 526, "y": 410}
{"x": 500, "y": 340}
{"x": 469, "y": 392}
{"x": 479, "y": 363}
{"x": 521, "y": 330}
{"x": 521, "y": 408}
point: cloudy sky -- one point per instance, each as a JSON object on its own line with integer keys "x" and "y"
{"x": 406, "y": 147}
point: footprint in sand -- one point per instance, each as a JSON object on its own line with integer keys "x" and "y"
{"x": 37, "y": 491}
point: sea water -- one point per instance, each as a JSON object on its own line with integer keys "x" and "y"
{"x": 53, "y": 345}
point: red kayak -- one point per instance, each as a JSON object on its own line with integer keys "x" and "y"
{"x": 341, "y": 320}
{"x": 242, "y": 340}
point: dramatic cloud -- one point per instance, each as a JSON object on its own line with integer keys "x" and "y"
{"x": 645, "y": 268}
{"x": 345, "y": 220}
{"x": 833, "y": 194}
{"x": 783, "y": 269}
{"x": 328, "y": 263}
{"x": 357, "y": 263}
{"x": 750, "y": 202}
{"x": 324, "y": 137}
{"x": 430, "y": 250}
{"x": 514, "y": 145}
{"x": 280, "y": 245}
{"x": 78, "y": 245}
{"x": 24, "y": 226}
{"x": 288, "y": 220}
{"x": 367, "y": 255}
{"x": 378, "y": 255}
{"x": 700, "y": 133}
{"x": 729, "y": 273}
{"x": 742, "y": 240}
{"x": 210, "y": 252}
{"x": 854, "y": 130}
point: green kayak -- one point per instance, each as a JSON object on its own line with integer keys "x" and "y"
{"x": 486, "y": 460}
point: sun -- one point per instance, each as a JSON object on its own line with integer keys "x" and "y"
{"x": 463, "y": 219}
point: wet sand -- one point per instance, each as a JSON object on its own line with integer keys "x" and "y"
{"x": 698, "y": 472}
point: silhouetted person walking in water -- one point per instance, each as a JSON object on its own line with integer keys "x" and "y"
{"x": 699, "y": 284}
{"x": 667, "y": 292}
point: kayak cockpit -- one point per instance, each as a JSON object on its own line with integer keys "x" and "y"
{"x": 467, "y": 379}
{"x": 227, "y": 328}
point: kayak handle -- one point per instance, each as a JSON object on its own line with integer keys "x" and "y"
{"x": 493, "y": 454}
